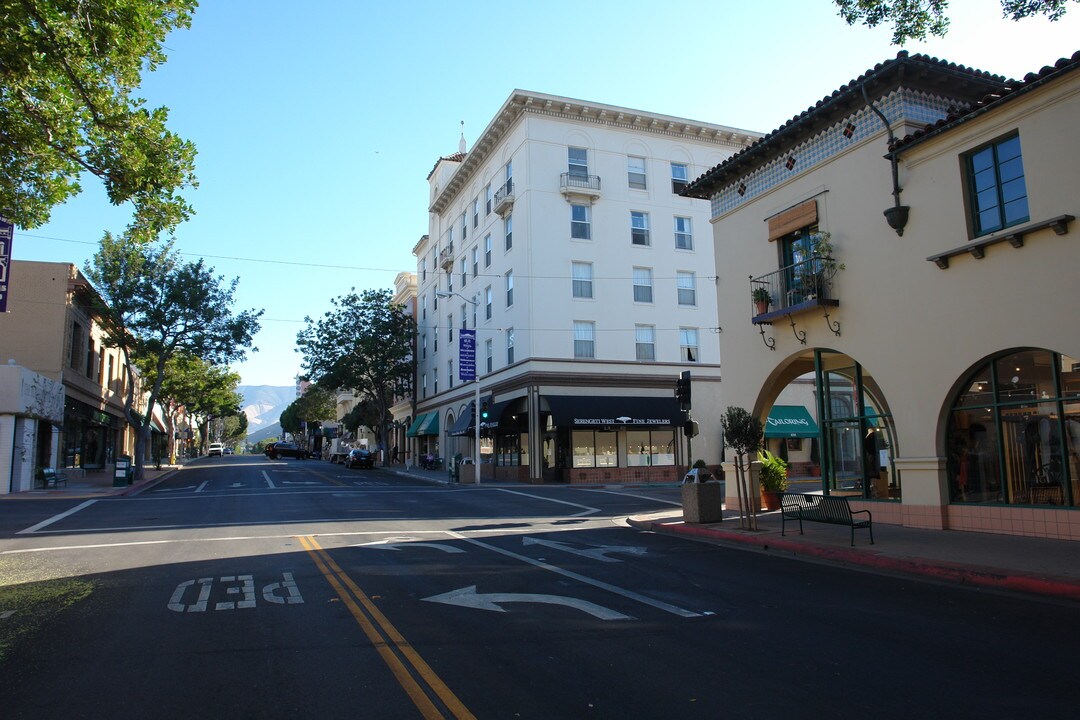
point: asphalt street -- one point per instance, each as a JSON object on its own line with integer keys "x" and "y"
{"x": 245, "y": 588}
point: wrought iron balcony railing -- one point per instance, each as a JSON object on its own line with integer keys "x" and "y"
{"x": 504, "y": 198}
{"x": 805, "y": 285}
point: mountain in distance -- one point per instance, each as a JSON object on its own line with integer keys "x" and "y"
{"x": 270, "y": 431}
{"x": 263, "y": 405}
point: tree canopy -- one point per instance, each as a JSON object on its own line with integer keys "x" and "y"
{"x": 314, "y": 406}
{"x": 915, "y": 19}
{"x": 68, "y": 73}
{"x": 363, "y": 344}
{"x": 151, "y": 304}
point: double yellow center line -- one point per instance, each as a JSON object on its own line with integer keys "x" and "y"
{"x": 414, "y": 675}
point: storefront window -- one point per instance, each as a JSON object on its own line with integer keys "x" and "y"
{"x": 1013, "y": 437}
{"x": 513, "y": 449}
{"x": 650, "y": 447}
{"x": 607, "y": 449}
{"x": 584, "y": 445}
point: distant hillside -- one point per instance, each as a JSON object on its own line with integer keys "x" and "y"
{"x": 267, "y": 432}
{"x": 263, "y": 405}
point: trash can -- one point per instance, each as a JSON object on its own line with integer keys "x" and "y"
{"x": 122, "y": 472}
{"x": 697, "y": 475}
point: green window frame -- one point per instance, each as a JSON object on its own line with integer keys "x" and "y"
{"x": 996, "y": 186}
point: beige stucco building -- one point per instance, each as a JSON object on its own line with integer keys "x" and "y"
{"x": 946, "y": 348}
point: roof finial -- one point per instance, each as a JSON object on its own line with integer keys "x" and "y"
{"x": 461, "y": 142}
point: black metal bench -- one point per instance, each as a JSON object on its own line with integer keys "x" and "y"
{"x": 831, "y": 509}
{"x": 54, "y": 478}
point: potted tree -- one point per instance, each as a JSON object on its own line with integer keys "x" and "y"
{"x": 762, "y": 299}
{"x": 743, "y": 433}
{"x": 773, "y": 478}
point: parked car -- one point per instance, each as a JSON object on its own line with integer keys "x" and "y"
{"x": 216, "y": 449}
{"x": 361, "y": 458}
{"x": 284, "y": 449}
{"x": 228, "y": 451}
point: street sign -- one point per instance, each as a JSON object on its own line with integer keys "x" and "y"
{"x": 7, "y": 230}
{"x": 467, "y": 355}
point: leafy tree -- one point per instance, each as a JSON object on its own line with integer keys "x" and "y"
{"x": 365, "y": 413}
{"x": 914, "y": 19}
{"x": 743, "y": 433}
{"x": 363, "y": 344}
{"x": 312, "y": 408}
{"x": 68, "y": 71}
{"x": 153, "y": 304}
{"x": 234, "y": 429}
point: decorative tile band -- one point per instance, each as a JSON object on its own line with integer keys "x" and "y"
{"x": 909, "y": 105}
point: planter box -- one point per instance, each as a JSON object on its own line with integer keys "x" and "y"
{"x": 702, "y": 502}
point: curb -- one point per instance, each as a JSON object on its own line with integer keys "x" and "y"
{"x": 983, "y": 577}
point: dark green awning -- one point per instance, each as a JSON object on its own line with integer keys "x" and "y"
{"x": 790, "y": 421}
{"x": 430, "y": 426}
{"x": 411, "y": 432}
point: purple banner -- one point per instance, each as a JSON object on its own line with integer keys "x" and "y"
{"x": 7, "y": 230}
{"x": 467, "y": 355}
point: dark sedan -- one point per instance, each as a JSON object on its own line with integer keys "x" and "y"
{"x": 361, "y": 458}
{"x": 284, "y": 449}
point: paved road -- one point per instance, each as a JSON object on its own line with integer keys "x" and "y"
{"x": 244, "y": 588}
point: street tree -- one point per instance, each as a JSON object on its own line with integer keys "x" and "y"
{"x": 68, "y": 74}
{"x": 915, "y": 19}
{"x": 309, "y": 410}
{"x": 151, "y": 303}
{"x": 743, "y": 433}
{"x": 363, "y": 344}
{"x": 234, "y": 428}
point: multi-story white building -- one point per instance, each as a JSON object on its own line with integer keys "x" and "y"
{"x": 562, "y": 240}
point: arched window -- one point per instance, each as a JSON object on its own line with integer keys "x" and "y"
{"x": 1014, "y": 432}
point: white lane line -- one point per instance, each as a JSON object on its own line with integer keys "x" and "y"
{"x": 587, "y": 510}
{"x": 269, "y": 481}
{"x": 55, "y": 518}
{"x": 633, "y": 495}
{"x": 629, "y": 594}
{"x": 203, "y": 486}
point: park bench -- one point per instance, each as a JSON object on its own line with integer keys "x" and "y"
{"x": 831, "y": 509}
{"x": 54, "y": 478}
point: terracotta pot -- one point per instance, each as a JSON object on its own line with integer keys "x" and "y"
{"x": 771, "y": 500}
{"x": 762, "y": 307}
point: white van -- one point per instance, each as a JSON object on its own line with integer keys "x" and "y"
{"x": 216, "y": 449}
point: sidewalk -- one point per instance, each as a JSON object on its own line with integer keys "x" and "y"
{"x": 96, "y": 485}
{"x": 1038, "y": 566}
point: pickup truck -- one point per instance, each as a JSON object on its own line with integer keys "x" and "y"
{"x": 339, "y": 451}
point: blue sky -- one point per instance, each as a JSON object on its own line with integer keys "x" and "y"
{"x": 317, "y": 123}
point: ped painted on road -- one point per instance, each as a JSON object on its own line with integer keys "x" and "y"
{"x": 279, "y": 593}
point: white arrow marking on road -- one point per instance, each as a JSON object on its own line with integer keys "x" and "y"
{"x": 468, "y": 597}
{"x": 300, "y": 482}
{"x": 269, "y": 481}
{"x": 599, "y": 553}
{"x": 176, "y": 489}
{"x": 237, "y": 485}
{"x": 389, "y": 545}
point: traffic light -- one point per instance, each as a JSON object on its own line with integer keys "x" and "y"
{"x": 690, "y": 428}
{"x": 484, "y": 411}
{"x": 682, "y": 390}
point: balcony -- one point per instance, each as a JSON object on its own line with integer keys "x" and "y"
{"x": 446, "y": 257}
{"x": 504, "y": 199}
{"x": 793, "y": 289}
{"x": 575, "y": 185}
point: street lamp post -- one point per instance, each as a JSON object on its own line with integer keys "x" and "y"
{"x": 476, "y": 384}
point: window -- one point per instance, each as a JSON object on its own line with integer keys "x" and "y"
{"x": 449, "y": 282}
{"x": 509, "y": 288}
{"x": 680, "y": 177}
{"x": 435, "y": 381}
{"x": 435, "y": 299}
{"x": 594, "y": 448}
{"x": 464, "y": 225}
{"x": 688, "y": 344}
{"x": 487, "y": 352}
{"x": 488, "y": 197}
{"x": 645, "y": 342}
{"x": 687, "y": 284}
{"x": 584, "y": 339}
{"x": 579, "y": 222}
{"x": 684, "y": 236}
{"x": 487, "y": 303}
{"x": 450, "y": 328}
{"x": 423, "y": 347}
{"x": 423, "y": 308}
{"x": 450, "y": 374}
{"x": 508, "y": 225}
{"x": 463, "y": 265}
{"x": 435, "y": 339}
{"x": 578, "y": 162}
{"x": 635, "y": 172}
{"x": 997, "y": 187}
{"x": 639, "y": 228}
{"x": 509, "y": 346}
{"x": 650, "y": 447}
{"x": 475, "y": 212}
{"x": 487, "y": 251}
{"x": 582, "y": 279}
{"x": 643, "y": 285}
{"x": 423, "y": 385}
{"x": 475, "y": 261}
{"x": 464, "y": 318}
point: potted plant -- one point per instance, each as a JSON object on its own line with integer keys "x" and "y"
{"x": 773, "y": 478}
{"x": 762, "y": 299}
{"x": 823, "y": 267}
{"x": 743, "y": 433}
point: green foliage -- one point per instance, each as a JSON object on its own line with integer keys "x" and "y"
{"x": 742, "y": 431}
{"x": 700, "y": 464}
{"x": 365, "y": 413}
{"x": 68, "y": 71}
{"x": 315, "y": 406}
{"x": 914, "y": 19}
{"x": 761, "y": 295}
{"x": 773, "y": 474}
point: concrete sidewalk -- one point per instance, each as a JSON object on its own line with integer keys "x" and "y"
{"x": 97, "y": 485}
{"x": 1002, "y": 562}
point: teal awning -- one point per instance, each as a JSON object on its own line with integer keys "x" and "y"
{"x": 790, "y": 421}
{"x": 430, "y": 426}
{"x": 411, "y": 432}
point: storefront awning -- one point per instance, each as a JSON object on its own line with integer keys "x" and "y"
{"x": 430, "y": 426}
{"x": 603, "y": 411}
{"x": 464, "y": 424}
{"x": 411, "y": 432}
{"x": 790, "y": 421}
